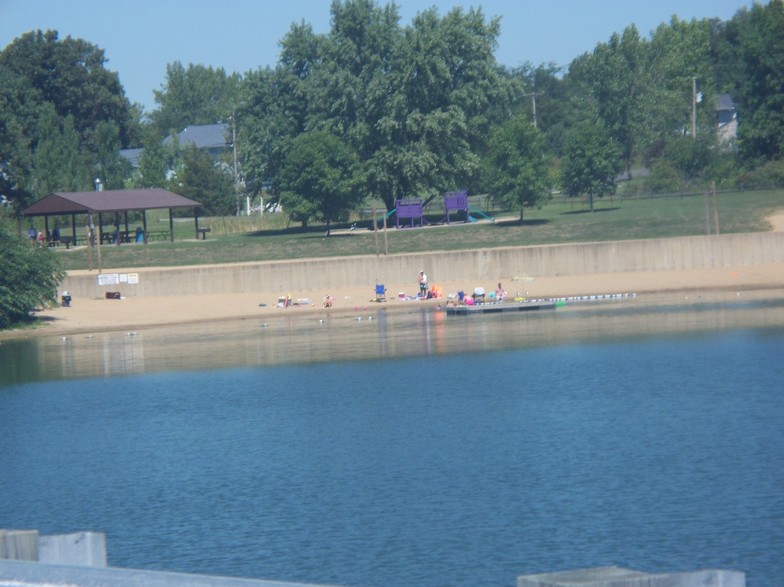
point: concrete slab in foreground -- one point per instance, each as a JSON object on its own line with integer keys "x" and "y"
{"x": 619, "y": 577}
{"x": 79, "y": 560}
{"x": 33, "y": 574}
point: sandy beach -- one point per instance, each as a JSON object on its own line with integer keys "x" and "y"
{"x": 134, "y": 313}
{"x": 101, "y": 315}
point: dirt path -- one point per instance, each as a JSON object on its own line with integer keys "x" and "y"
{"x": 776, "y": 221}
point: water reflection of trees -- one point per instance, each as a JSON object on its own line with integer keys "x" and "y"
{"x": 370, "y": 334}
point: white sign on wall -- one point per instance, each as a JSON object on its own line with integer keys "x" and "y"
{"x": 117, "y": 278}
{"x": 108, "y": 279}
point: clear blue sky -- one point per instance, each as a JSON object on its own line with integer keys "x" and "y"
{"x": 140, "y": 37}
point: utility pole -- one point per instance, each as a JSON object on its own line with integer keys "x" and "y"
{"x": 694, "y": 108}
{"x": 533, "y": 108}
{"x": 533, "y": 104}
{"x": 236, "y": 175}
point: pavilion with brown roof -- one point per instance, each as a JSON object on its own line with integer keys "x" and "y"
{"x": 114, "y": 202}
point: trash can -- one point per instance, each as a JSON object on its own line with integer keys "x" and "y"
{"x": 66, "y": 299}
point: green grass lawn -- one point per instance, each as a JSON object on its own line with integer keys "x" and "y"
{"x": 268, "y": 238}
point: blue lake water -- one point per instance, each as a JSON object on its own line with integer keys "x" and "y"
{"x": 410, "y": 449}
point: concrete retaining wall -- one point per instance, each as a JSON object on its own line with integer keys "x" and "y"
{"x": 731, "y": 250}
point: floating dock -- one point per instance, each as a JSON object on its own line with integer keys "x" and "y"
{"x": 494, "y": 307}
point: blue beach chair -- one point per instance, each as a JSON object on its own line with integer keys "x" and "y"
{"x": 380, "y": 293}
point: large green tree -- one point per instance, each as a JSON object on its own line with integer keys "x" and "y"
{"x": 195, "y": 94}
{"x": 71, "y": 75}
{"x": 17, "y": 118}
{"x": 680, "y": 69}
{"x": 543, "y": 96}
{"x": 57, "y": 96}
{"x": 518, "y": 166}
{"x": 619, "y": 84}
{"x": 58, "y": 162}
{"x": 591, "y": 162}
{"x": 435, "y": 125}
{"x": 320, "y": 178}
{"x": 206, "y": 181}
{"x": 109, "y": 165}
{"x": 761, "y": 91}
{"x": 155, "y": 162}
{"x": 643, "y": 89}
{"x": 411, "y": 102}
{"x": 275, "y": 109}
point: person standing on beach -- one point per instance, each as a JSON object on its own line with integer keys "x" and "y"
{"x": 422, "y": 284}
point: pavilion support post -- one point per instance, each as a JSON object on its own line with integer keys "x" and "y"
{"x": 73, "y": 227}
{"x": 100, "y": 239}
{"x": 196, "y": 221}
{"x": 127, "y": 232}
{"x": 46, "y": 227}
{"x": 144, "y": 225}
{"x": 171, "y": 226}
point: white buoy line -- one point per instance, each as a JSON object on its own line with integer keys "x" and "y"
{"x": 596, "y": 297}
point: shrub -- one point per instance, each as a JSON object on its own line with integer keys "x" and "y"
{"x": 770, "y": 175}
{"x": 664, "y": 178}
{"x": 29, "y": 276}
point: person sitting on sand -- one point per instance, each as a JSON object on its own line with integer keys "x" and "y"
{"x": 500, "y": 294}
{"x": 328, "y": 299}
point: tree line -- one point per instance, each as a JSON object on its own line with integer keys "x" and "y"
{"x": 375, "y": 110}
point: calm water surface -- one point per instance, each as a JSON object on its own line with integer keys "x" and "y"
{"x": 410, "y": 449}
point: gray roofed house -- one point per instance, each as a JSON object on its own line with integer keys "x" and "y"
{"x": 213, "y": 138}
{"x": 132, "y": 155}
{"x": 726, "y": 117}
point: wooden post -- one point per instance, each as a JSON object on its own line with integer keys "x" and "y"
{"x": 171, "y": 226}
{"x": 100, "y": 238}
{"x": 89, "y": 243}
{"x": 715, "y": 207}
{"x": 375, "y": 229}
{"x": 386, "y": 243}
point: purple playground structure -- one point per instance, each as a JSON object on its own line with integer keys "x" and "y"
{"x": 409, "y": 210}
{"x": 456, "y": 202}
